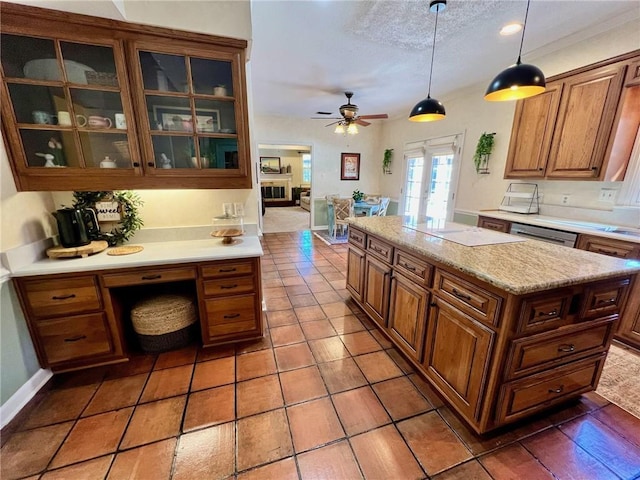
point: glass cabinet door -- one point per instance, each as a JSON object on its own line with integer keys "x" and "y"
{"x": 67, "y": 104}
{"x": 191, "y": 112}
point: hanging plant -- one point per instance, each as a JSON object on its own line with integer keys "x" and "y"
{"x": 130, "y": 220}
{"x": 483, "y": 150}
{"x": 386, "y": 161}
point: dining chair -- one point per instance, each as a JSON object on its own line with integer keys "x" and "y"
{"x": 369, "y": 198}
{"x": 384, "y": 204}
{"x": 342, "y": 209}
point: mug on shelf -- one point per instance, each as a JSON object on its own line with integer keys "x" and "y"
{"x": 121, "y": 121}
{"x": 94, "y": 121}
{"x": 64, "y": 119}
{"x": 42, "y": 118}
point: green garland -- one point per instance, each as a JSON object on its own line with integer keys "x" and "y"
{"x": 484, "y": 148}
{"x": 131, "y": 220}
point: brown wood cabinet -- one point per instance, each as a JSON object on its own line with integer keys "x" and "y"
{"x": 98, "y": 104}
{"x": 377, "y": 284}
{"x": 80, "y": 321}
{"x": 355, "y": 269}
{"x": 568, "y": 131}
{"x": 494, "y": 224}
{"x": 407, "y": 315}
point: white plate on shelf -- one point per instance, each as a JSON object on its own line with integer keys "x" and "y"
{"x": 47, "y": 69}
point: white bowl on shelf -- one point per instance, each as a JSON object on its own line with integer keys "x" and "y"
{"x": 47, "y": 69}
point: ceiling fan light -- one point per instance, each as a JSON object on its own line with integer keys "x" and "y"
{"x": 515, "y": 82}
{"x": 352, "y": 129}
{"x": 427, "y": 110}
{"x": 339, "y": 128}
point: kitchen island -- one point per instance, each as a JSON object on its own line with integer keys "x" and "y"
{"x": 501, "y": 331}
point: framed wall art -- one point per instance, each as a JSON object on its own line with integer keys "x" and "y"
{"x": 270, "y": 164}
{"x": 350, "y": 166}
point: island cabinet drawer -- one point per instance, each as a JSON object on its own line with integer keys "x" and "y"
{"x": 227, "y": 269}
{"x": 74, "y": 338}
{"x": 414, "y": 268}
{"x": 494, "y": 224}
{"x": 545, "y": 311}
{"x": 532, "y": 354}
{"x": 229, "y": 286}
{"x": 148, "y": 276}
{"x": 380, "y": 249}
{"x": 470, "y": 298}
{"x": 604, "y": 298}
{"x": 357, "y": 237}
{"x": 533, "y": 393}
{"x": 61, "y": 296}
{"x": 232, "y": 315}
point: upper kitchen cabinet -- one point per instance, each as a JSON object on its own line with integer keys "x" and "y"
{"x": 570, "y": 131}
{"x": 95, "y": 104}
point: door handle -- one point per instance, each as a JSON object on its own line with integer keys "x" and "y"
{"x": 459, "y": 294}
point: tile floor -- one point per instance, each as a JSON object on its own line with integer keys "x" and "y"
{"x": 322, "y": 396}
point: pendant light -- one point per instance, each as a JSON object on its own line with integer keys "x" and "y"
{"x": 430, "y": 109}
{"x": 517, "y": 81}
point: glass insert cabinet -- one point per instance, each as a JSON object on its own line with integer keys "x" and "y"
{"x": 93, "y": 107}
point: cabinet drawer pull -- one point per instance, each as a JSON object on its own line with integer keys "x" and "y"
{"x": 151, "y": 164}
{"x": 433, "y": 304}
{"x": 461, "y": 295}
{"x": 226, "y": 287}
{"x": 227, "y": 270}
{"x": 606, "y": 252}
{"x": 76, "y": 338}
{"x": 409, "y": 267}
{"x": 233, "y": 315}
{"x": 151, "y": 277}
{"x": 378, "y": 250}
{"x": 552, "y": 313}
{"x": 557, "y": 390}
{"x": 63, "y": 297}
{"x": 601, "y": 302}
{"x": 570, "y": 347}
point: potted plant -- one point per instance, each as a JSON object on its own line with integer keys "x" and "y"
{"x": 386, "y": 161}
{"x": 357, "y": 195}
{"x": 483, "y": 150}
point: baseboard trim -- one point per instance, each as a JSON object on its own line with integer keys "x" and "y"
{"x": 26, "y": 392}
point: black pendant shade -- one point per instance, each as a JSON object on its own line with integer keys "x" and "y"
{"x": 427, "y": 110}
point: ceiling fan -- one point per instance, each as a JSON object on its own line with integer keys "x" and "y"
{"x": 349, "y": 113}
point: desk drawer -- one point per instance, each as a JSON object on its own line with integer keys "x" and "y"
{"x": 357, "y": 237}
{"x": 227, "y": 269}
{"x": 380, "y": 249}
{"x": 232, "y": 315}
{"x": 55, "y": 297}
{"x": 143, "y": 277}
{"x": 229, "y": 286}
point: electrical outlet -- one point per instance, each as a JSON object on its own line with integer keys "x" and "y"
{"x": 565, "y": 199}
{"x": 607, "y": 195}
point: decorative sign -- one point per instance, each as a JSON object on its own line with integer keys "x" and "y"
{"x": 108, "y": 211}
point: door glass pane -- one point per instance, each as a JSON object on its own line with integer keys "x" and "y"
{"x": 89, "y": 64}
{"x": 212, "y": 77}
{"x": 439, "y": 185}
{"x": 49, "y": 148}
{"x": 171, "y": 151}
{"x": 219, "y": 152}
{"x": 169, "y": 113}
{"x": 218, "y": 115}
{"x": 104, "y": 150}
{"x": 37, "y": 104}
{"x": 24, "y": 57}
{"x": 166, "y": 73}
{"x": 96, "y": 109}
{"x": 413, "y": 187}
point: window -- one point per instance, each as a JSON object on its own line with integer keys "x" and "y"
{"x": 306, "y": 168}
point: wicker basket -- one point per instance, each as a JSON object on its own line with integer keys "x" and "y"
{"x": 102, "y": 78}
{"x": 164, "y": 322}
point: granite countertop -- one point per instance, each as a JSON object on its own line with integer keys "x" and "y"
{"x": 154, "y": 254}
{"x": 519, "y": 268}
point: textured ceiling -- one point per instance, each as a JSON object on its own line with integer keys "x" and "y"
{"x": 306, "y": 53}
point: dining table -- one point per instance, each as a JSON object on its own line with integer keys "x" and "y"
{"x": 360, "y": 209}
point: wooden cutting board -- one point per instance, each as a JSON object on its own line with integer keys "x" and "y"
{"x": 84, "y": 251}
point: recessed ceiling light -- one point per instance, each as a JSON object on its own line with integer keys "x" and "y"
{"x": 510, "y": 29}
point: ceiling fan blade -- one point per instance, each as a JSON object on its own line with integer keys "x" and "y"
{"x": 378, "y": 115}
{"x": 333, "y": 123}
{"x": 323, "y": 113}
{"x": 362, "y": 122}
{"x": 326, "y": 118}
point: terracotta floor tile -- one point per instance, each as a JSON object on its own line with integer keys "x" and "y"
{"x": 282, "y": 470}
{"x": 337, "y": 309}
{"x": 339, "y": 286}
{"x": 151, "y": 461}
{"x": 328, "y": 349}
{"x": 286, "y": 335}
{"x": 96, "y": 468}
{"x": 295, "y": 280}
{"x": 274, "y": 304}
{"x": 176, "y": 358}
{"x": 467, "y": 471}
{"x": 294, "y": 290}
{"x": 255, "y": 364}
{"x": 26, "y": 453}
{"x": 426, "y": 390}
{"x": 154, "y": 421}
{"x": 93, "y": 437}
{"x": 136, "y": 365}
{"x": 210, "y": 407}
{"x": 213, "y": 373}
{"x": 213, "y": 353}
{"x": 360, "y": 343}
{"x": 335, "y": 462}
{"x": 377, "y": 366}
{"x": 347, "y": 324}
{"x": 625, "y": 424}
{"x": 308, "y": 314}
{"x": 382, "y": 454}
{"x": 397, "y": 357}
{"x": 314, "y": 279}
{"x": 274, "y": 292}
{"x": 341, "y": 375}
{"x": 258, "y": 395}
{"x": 254, "y": 345}
{"x": 318, "y": 329}
{"x": 60, "y": 405}
{"x": 559, "y": 454}
{"x": 318, "y": 286}
{"x": 604, "y": 444}
{"x": 412, "y": 402}
{"x": 281, "y": 317}
{"x": 208, "y": 453}
{"x": 302, "y": 385}
{"x": 167, "y": 383}
{"x": 433, "y": 443}
{"x": 313, "y": 424}
{"x": 262, "y": 439}
{"x": 360, "y": 410}
{"x": 327, "y": 297}
{"x": 293, "y": 356}
{"x": 514, "y": 461}
{"x": 116, "y": 393}
{"x": 303, "y": 301}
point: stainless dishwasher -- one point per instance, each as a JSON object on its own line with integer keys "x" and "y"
{"x": 559, "y": 237}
